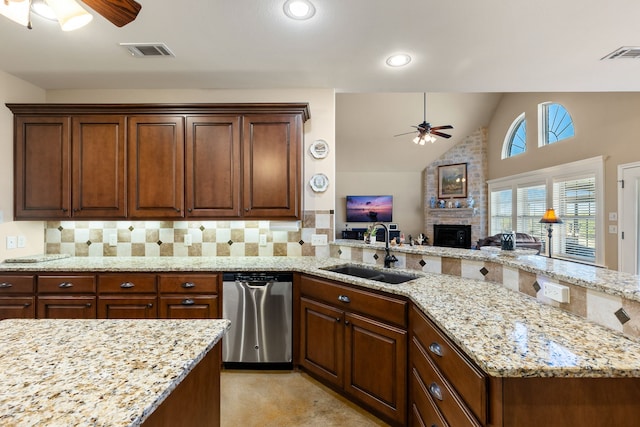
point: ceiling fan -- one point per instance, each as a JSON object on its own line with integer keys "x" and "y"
{"x": 425, "y": 131}
{"x": 118, "y": 12}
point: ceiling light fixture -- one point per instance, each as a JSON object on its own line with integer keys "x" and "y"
{"x": 398, "y": 60}
{"x": 299, "y": 9}
{"x": 41, "y": 8}
{"x": 423, "y": 138}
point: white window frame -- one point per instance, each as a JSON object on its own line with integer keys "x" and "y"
{"x": 542, "y": 124}
{"x": 593, "y": 166}
{"x": 506, "y": 145}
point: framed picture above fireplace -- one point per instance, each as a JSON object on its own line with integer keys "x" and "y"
{"x": 452, "y": 181}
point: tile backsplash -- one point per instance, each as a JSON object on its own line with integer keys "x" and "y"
{"x": 208, "y": 238}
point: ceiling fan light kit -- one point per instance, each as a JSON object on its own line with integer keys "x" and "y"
{"x": 69, "y": 13}
{"x": 426, "y": 132}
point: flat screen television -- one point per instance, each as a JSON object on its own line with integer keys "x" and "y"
{"x": 369, "y": 208}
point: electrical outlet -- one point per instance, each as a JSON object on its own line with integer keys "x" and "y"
{"x": 113, "y": 239}
{"x": 318, "y": 240}
{"x": 613, "y": 229}
{"x": 263, "y": 240}
{"x": 22, "y": 241}
{"x": 12, "y": 242}
{"x": 556, "y": 292}
{"x": 613, "y": 216}
{"x": 188, "y": 240}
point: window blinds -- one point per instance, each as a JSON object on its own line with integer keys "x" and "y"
{"x": 574, "y": 200}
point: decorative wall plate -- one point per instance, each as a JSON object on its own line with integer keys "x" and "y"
{"x": 319, "y": 149}
{"x": 319, "y": 182}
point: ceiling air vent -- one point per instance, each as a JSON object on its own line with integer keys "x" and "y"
{"x": 625, "y": 52}
{"x": 148, "y": 49}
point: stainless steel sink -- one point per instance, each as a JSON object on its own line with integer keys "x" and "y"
{"x": 372, "y": 274}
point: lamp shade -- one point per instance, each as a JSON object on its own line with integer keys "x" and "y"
{"x": 17, "y": 11}
{"x": 550, "y": 217}
{"x": 70, "y": 14}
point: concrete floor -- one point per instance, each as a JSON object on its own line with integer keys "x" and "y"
{"x": 283, "y": 399}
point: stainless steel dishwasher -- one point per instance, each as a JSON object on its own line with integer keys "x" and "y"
{"x": 259, "y": 306}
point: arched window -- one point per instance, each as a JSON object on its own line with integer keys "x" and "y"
{"x": 516, "y": 140}
{"x": 555, "y": 123}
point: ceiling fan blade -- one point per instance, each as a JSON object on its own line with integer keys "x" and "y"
{"x": 442, "y": 127}
{"x": 406, "y": 133}
{"x": 118, "y": 12}
{"x": 443, "y": 135}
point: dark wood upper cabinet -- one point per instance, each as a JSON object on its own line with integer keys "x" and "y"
{"x": 272, "y": 166}
{"x": 98, "y": 147}
{"x": 158, "y": 161}
{"x": 156, "y": 166}
{"x": 213, "y": 166}
{"x": 42, "y": 167}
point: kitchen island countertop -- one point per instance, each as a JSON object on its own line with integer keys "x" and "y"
{"x": 96, "y": 372}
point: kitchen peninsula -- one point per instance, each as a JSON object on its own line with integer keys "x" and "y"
{"x": 526, "y": 354}
{"x": 110, "y": 372}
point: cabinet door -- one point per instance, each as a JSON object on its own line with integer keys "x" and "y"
{"x": 189, "y": 307}
{"x": 42, "y": 167}
{"x": 156, "y": 166}
{"x": 98, "y": 167}
{"x": 67, "y": 307}
{"x": 322, "y": 340}
{"x": 213, "y": 166}
{"x": 376, "y": 367}
{"x": 127, "y": 307}
{"x": 17, "y": 308}
{"x": 272, "y": 165}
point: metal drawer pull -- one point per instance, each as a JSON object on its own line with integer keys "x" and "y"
{"x": 344, "y": 298}
{"x": 188, "y": 285}
{"x": 434, "y": 390}
{"x": 64, "y": 285}
{"x": 149, "y": 305}
{"x": 88, "y": 304}
{"x": 27, "y": 304}
{"x": 188, "y": 301}
{"x": 435, "y": 348}
{"x": 6, "y": 285}
{"x": 127, "y": 285}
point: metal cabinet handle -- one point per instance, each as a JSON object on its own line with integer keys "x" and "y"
{"x": 65, "y": 285}
{"x": 149, "y": 305}
{"x": 344, "y": 298}
{"x": 188, "y": 285}
{"x": 4, "y": 285}
{"x": 27, "y": 304}
{"x": 434, "y": 390}
{"x": 88, "y": 305}
{"x": 188, "y": 301}
{"x": 338, "y": 319}
{"x": 346, "y": 322}
{"x": 127, "y": 285}
{"x": 177, "y": 209}
{"x": 435, "y": 348}
{"x": 190, "y": 209}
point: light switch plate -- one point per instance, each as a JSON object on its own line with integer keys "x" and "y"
{"x": 263, "y": 240}
{"x": 113, "y": 239}
{"x": 12, "y": 242}
{"x": 613, "y": 216}
{"x": 188, "y": 240}
{"x": 22, "y": 241}
{"x": 613, "y": 229}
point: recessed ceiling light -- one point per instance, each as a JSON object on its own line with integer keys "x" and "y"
{"x": 299, "y": 9}
{"x": 398, "y": 60}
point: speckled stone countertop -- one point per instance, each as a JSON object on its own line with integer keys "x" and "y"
{"x": 508, "y": 334}
{"x": 588, "y": 276}
{"x": 96, "y": 372}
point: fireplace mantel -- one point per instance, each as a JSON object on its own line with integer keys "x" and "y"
{"x": 452, "y": 212}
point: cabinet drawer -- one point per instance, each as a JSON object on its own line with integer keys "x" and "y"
{"x": 423, "y": 410}
{"x": 127, "y": 307}
{"x": 127, "y": 283}
{"x": 439, "y": 389}
{"x": 188, "y": 283}
{"x": 469, "y": 381}
{"x": 189, "y": 307}
{"x": 379, "y": 306}
{"x": 16, "y": 285}
{"x": 67, "y": 284}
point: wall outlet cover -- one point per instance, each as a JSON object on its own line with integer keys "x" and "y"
{"x": 319, "y": 240}
{"x": 556, "y": 292}
{"x": 113, "y": 239}
{"x": 12, "y": 242}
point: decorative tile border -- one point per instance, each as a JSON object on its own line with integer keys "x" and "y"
{"x": 165, "y": 238}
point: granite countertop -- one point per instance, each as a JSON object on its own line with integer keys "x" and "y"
{"x": 96, "y": 372}
{"x": 508, "y": 334}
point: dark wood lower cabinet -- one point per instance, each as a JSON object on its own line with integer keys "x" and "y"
{"x": 188, "y": 307}
{"x": 127, "y": 307}
{"x": 361, "y": 356}
{"x": 67, "y": 307}
{"x": 17, "y": 308}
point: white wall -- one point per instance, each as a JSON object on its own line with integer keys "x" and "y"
{"x": 13, "y": 90}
